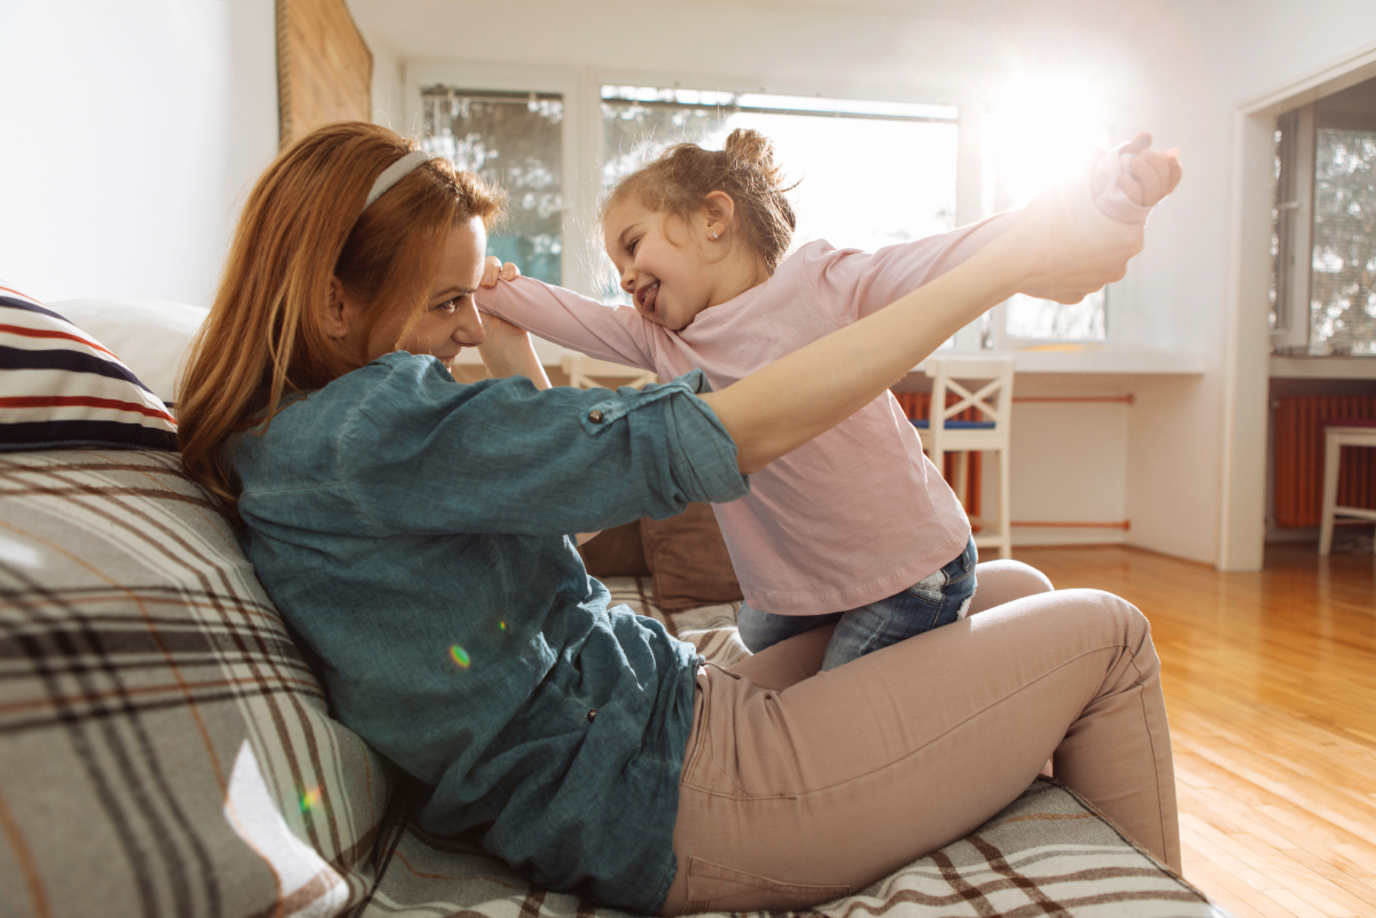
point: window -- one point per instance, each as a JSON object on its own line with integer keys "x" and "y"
{"x": 869, "y": 174}
{"x": 1037, "y": 134}
{"x": 1323, "y": 291}
{"x": 511, "y": 139}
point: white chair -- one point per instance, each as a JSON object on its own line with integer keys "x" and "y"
{"x": 590, "y": 373}
{"x": 990, "y": 392}
{"x": 1351, "y": 433}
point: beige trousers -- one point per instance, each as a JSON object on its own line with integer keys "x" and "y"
{"x": 800, "y": 786}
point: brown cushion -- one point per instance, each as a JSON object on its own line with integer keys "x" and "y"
{"x": 616, "y": 553}
{"x": 688, "y": 560}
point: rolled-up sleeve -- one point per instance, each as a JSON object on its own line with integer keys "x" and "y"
{"x": 420, "y": 453}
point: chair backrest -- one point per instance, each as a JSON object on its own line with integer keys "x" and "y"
{"x": 982, "y": 383}
{"x": 590, "y": 373}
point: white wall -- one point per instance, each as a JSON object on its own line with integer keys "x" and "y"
{"x": 131, "y": 131}
{"x": 1206, "y": 59}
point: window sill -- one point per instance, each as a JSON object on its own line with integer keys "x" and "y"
{"x": 1059, "y": 358}
{"x": 1323, "y": 367}
{"x": 1096, "y": 359}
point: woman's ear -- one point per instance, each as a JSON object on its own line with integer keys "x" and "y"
{"x": 337, "y": 311}
{"x": 718, "y": 214}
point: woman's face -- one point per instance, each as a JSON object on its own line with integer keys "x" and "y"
{"x": 450, "y": 321}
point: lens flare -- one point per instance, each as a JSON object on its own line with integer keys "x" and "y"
{"x": 459, "y": 656}
{"x": 311, "y": 799}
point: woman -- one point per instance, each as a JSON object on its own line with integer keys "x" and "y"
{"x": 415, "y": 534}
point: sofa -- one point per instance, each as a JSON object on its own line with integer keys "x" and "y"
{"x": 165, "y": 748}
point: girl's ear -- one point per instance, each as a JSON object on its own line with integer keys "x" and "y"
{"x": 718, "y": 214}
{"x": 337, "y": 311}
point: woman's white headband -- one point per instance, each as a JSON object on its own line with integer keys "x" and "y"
{"x": 395, "y": 173}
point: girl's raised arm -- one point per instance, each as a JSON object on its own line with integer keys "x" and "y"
{"x": 1062, "y": 247}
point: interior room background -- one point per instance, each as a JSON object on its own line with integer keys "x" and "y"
{"x": 137, "y": 127}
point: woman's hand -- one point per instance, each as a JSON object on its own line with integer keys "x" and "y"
{"x": 1067, "y": 248}
{"x": 1072, "y": 247}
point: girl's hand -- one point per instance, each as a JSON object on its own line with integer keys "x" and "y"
{"x": 493, "y": 269}
{"x": 507, "y": 349}
{"x": 1148, "y": 175}
{"x": 1068, "y": 247}
{"x": 498, "y": 328}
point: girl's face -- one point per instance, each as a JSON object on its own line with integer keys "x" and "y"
{"x": 663, "y": 263}
{"x": 450, "y": 321}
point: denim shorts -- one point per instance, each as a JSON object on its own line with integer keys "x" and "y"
{"x": 938, "y": 599}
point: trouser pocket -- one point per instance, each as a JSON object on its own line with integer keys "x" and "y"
{"x": 718, "y": 888}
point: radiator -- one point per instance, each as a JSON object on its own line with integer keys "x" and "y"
{"x": 1298, "y": 462}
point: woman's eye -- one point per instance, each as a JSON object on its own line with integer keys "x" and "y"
{"x": 449, "y": 305}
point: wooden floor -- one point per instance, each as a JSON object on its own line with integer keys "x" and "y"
{"x": 1270, "y": 682}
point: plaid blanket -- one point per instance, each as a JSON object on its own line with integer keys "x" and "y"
{"x": 166, "y": 750}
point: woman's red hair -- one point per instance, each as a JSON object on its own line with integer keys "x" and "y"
{"x": 304, "y": 223}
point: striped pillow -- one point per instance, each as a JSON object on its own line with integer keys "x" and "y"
{"x": 60, "y": 388}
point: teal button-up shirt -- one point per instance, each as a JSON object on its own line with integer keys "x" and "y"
{"x": 414, "y": 532}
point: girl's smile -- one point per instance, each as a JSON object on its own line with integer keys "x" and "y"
{"x": 660, "y": 267}
{"x": 645, "y": 296}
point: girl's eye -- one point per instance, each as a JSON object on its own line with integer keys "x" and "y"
{"x": 631, "y": 245}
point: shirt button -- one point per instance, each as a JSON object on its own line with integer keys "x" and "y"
{"x": 595, "y": 416}
{"x": 592, "y": 714}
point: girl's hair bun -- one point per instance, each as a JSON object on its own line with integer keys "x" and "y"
{"x": 752, "y": 149}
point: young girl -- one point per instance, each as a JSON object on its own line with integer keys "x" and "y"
{"x": 412, "y": 531}
{"x": 856, "y": 527}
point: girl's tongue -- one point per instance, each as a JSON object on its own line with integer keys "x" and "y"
{"x": 648, "y": 295}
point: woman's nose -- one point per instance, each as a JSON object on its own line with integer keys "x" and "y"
{"x": 469, "y": 332}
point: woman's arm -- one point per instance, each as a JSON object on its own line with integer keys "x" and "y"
{"x": 508, "y": 351}
{"x": 1062, "y": 247}
{"x": 1125, "y": 183}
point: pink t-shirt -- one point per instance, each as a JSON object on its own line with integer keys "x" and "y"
{"x": 856, "y": 514}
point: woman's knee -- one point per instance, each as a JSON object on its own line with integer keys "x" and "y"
{"x": 1113, "y": 618}
{"x": 1004, "y": 581}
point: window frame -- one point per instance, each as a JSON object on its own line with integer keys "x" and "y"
{"x": 1293, "y": 226}
{"x": 581, "y": 89}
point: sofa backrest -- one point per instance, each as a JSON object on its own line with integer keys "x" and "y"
{"x": 164, "y": 747}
